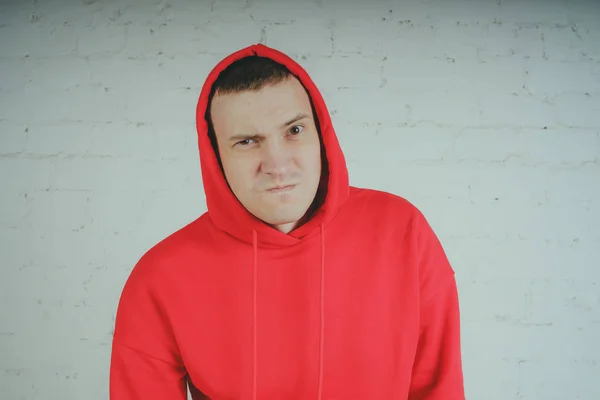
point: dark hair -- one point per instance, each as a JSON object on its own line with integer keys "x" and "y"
{"x": 247, "y": 74}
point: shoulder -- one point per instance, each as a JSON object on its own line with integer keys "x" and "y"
{"x": 380, "y": 204}
{"x": 402, "y": 224}
{"x": 174, "y": 251}
{"x": 389, "y": 213}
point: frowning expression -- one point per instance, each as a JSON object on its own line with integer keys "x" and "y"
{"x": 270, "y": 150}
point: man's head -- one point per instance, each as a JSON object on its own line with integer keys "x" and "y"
{"x": 266, "y": 136}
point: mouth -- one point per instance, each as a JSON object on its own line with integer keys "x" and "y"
{"x": 281, "y": 189}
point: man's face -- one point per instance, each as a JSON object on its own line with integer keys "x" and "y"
{"x": 270, "y": 150}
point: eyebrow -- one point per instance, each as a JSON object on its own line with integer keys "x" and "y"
{"x": 296, "y": 118}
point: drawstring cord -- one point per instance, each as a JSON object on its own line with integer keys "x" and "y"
{"x": 254, "y": 283}
{"x": 322, "y": 311}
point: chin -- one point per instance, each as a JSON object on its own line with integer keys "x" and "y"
{"x": 281, "y": 219}
{"x": 286, "y": 216}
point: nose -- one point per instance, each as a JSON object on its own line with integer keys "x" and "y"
{"x": 276, "y": 160}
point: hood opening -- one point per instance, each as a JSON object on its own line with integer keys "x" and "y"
{"x": 230, "y": 81}
{"x": 224, "y": 210}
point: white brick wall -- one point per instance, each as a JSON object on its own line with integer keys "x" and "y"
{"x": 486, "y": 114}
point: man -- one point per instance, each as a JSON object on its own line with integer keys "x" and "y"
{"x": 294, "y": 285}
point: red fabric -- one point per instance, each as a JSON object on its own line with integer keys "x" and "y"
{"x": 359, "y": 303}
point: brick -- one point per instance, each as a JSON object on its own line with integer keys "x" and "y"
{"x": 507, "y": 378}
{"x": 143, "y": 141}
{"x": 301, "y": 37}
{"x": 553, "y": 12}
{"x": 407, "y": 74}
{"x": 574, "y": 185}
{"x": 59, "y": 211}
{"x": 508, "y": 40}
{"x": 451, "y": 108}
{"x": 15, "y": 12}
{"x": 498, "y": 76}
{"x": 579, "y": 110}
{"x": 92, "y": 174}
{"x": 160, "y": 73}
{"x": 172, "y": 39}
{"x": 415, "y": 143}
{"x": 13, "y": 138}
{"x": 100, "y": 26}
{"x": 492, "y": 303}
{"x": 514, "y": 110}
{"x": 176, "y": 106}
{"x": 182, "y": 11}
{"x": 66, "y": 72}
{"x": 406, "y": 153}
{"x": 371, "y": 36}
{"x": 15, "y": 210}
{"x": 114, "y": 214}
{"x": 302, "y": 15}
{"x": 440, "y": 11}
{"x": 425, "y": 183}
{"x": 14, "y": 75}
{"x": 553, "y": 78}
{"x": 504, "y": 185}
{"x": 99, "y": 39}
{"x": 123, "y": 218}
{"x": 36, "y": 40}
{"x": 229, "y": 7}
{"x": 434, "y": 75}
{"x": 80, "y": 14}
{"x": 63, "y": 139}
{"x": 146, "y": 40}
{"x": 572, "y": 42}
{"x": 12, "y": 239}
{"x": 562, "y": 146}
{"x": 466, "y": 40}
{"x": 361, "y": 10}
{"x": 116, "y": 175}
{"x": 585, "y": 11}
{"x": 563, "y": 370}
{"x": 131, "y": 74}
{"x": 83, "y": 103}
{"x": 576, "y": 299}
{"x": 339, "y": 71}
{"x": 23, "y": 174}
{"x": 369, "y": 105}
{"x": 513, "y": 146}
{"x": 556, "y": 224}
{"x": 47, "y": 247}
{"x": 545, "y": 260}
{"x": 446, "y": 39}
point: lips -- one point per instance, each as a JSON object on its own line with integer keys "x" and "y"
{"x": 282, "y": 188}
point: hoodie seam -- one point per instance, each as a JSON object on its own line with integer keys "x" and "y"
{"x": 118, "y": 343}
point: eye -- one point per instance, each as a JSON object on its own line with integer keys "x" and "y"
{"x": 244, "y": 142}
{"x": 296, "y": 129}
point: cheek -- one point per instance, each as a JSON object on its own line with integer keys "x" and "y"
{"x": 311, "y": 161}
{"x": 239, "y": 173}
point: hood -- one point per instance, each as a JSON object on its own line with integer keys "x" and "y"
{"x": 224, "y": 209}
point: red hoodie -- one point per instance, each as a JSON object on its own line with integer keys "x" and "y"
{"x": 358, "y": 303}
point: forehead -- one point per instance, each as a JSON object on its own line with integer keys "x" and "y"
{"x": 264, "y": 109}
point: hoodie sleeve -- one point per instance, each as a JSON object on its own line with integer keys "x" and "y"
{"x": 437, "y": 369}
{"x": 145, "y": 361}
